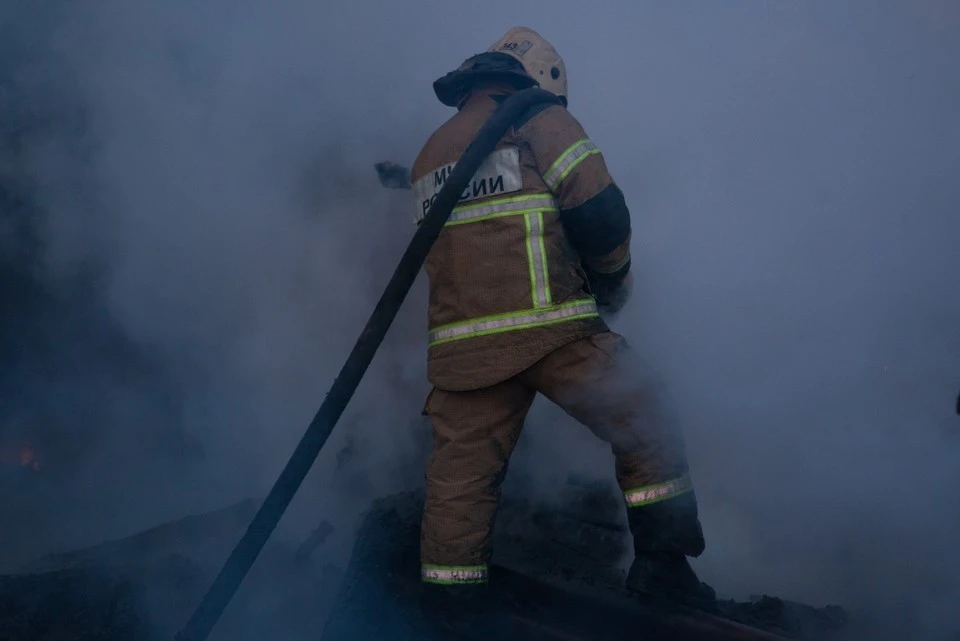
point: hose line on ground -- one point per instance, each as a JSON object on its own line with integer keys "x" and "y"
{"x": 239, "y": 562}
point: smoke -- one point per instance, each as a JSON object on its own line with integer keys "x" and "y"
{"x": 212, "y": 202}
{"x": 211, "y": 236}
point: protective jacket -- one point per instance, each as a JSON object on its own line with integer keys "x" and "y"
{"x": 510, "y": 274}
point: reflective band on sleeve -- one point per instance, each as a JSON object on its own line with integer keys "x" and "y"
{"x": 567, "y": 162}
{"x": 612, "y": 269}
{"x": 453, "y": 574}
{"x": 537, "y": 257}
{"x": 504, "y": 207}
{"x": 620, "y": 263}
{"x": 513, "y": 321}
{"x": 659, "y": 492}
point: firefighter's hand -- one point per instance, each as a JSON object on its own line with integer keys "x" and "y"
{"x": 612, "y": 295}
{"x": 392, "y": 175}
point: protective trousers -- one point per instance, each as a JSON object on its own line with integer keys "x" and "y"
{"x": 600, "y": 381}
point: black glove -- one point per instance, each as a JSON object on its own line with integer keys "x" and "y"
{"x": 611, "y": 293}
{"x": 392, "y": 175}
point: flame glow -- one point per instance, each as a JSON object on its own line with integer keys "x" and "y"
{"x": 29, "y": 459}
{"x": 23, "y": 456}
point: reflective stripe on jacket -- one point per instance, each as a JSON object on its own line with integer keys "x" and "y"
{"x": 508, "y": 283}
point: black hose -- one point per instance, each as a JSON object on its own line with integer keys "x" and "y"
{"x": 235, "y": 568}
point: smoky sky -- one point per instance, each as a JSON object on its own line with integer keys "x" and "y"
{"x": 791, "y": 169}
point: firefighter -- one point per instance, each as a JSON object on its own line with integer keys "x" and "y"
{"x": 537, "y": 246}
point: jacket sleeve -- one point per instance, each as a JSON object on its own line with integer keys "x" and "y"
{"x": 593, "y": 210}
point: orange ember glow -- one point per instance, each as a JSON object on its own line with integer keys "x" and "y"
{"x": 24, "y": 457}
{"x": 29, "y": 459}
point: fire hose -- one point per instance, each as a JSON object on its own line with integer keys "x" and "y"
{"x": 241, "y": 559}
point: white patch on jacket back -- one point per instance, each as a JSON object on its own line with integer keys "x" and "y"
{"x": 498, "y": 174}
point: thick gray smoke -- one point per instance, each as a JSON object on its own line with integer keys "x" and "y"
{"x": 791, "y": 168}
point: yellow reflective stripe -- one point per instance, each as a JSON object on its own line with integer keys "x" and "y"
{"x": 502, "y": 207}
{"x": 548, "y": 298}
{"x": 512, "y": 199}
{"x": 525, "y": 319}
{"x": 530, "y": 259}
{"x": 620, "y": 263}
{"x": 658, "y": 492}
{"x": 613, "y": 269}
{"x": 537, "y": 259}
{"x": 568, "y": 161}
{"x": 453, "y": 574}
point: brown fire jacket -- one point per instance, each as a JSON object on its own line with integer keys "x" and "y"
{"x": 509, "y": 274}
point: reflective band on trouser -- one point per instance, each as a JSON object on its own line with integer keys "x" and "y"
{"x": 513, "y": 321}
{"x": 453, "y": 574}
{"x": 659, "y": 492}
{"x": 537, "y": 257}
{"x": 503, "y": 207}
{"x": 567, "y": 162}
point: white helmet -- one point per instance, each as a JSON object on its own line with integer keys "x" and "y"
{"x": 538, "y": 57}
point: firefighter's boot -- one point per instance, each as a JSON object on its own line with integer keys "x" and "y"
{"x": 462, "y": 613}
{"x": 668, "y": 575}
{"x": 664, "y": 535}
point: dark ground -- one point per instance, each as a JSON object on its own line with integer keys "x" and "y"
{"x": 564, "y": 566}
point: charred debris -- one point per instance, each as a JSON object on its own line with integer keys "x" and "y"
{"x": 562, "y": 567}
